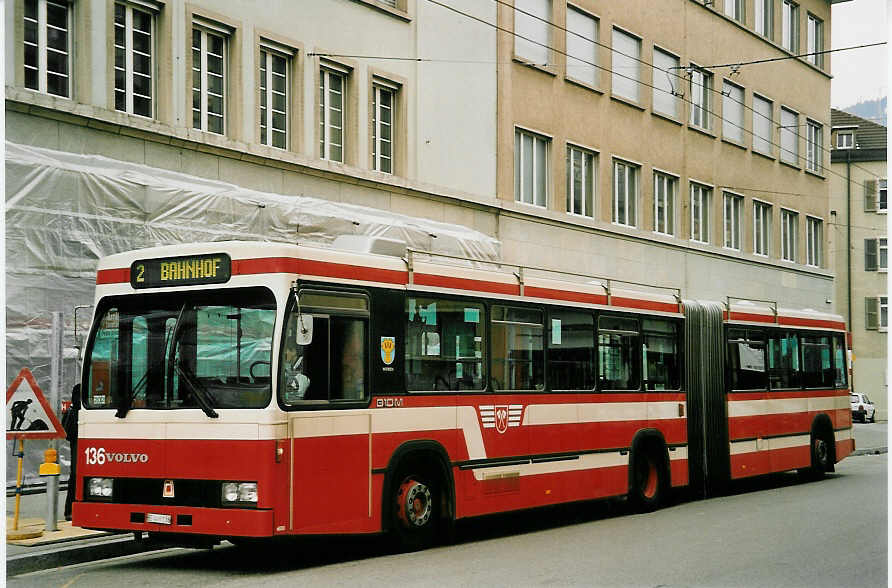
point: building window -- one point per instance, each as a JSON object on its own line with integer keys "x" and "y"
{"x": 876, "y": 313}
{"x": 700, "y": 197}
{"x": 208, "y": 80}
{"x": 814, "y": 147}
{"x": 763, "y": 122}
{"x": 133, "y": 60}
{"x": 666, "y": 82}
{"x": 732, "y": 112}
{"x": 876, "y": 255}
{"x": 734, "y": 9}
{"x": 790, "y": 36}
{"x": 383, "y": 108}
{"x": 733, "y": 208}
{"x": 273, "y": 98}
{"x": 882, "y": 201}
{"x": 815, "y": 40}
{"x": 789, "y": 234}
{"x": 761, "y": 228}
{"x": 845, "y": 139}
{"x": 814, "y": 241}
{"x": 48, "y": 47}
{"x": 789, "y": 136}
{"x": 581, "y": 165}
{"x": 625, "y": 193}
{"x": 530, "y": 168}
{"x": 701, "y": 97}
{"x": 532, "y": 31}
{"x": 582, "y": 53}
{"x": 332, "y": 87}
{"x": 626, "y": 65}
{"x": 665, "y": 188}
{"x": 764, "y": 15}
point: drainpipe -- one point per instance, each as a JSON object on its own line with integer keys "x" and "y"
{"x": 849, "y": 235}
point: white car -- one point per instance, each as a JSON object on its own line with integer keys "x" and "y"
{"x": 862, "y": 408}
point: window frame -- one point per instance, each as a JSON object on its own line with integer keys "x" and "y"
{"x": 670, "y": 197}
{"x": 620, "y": 60}
{"x": 591, "y": 61}
{"x": 275, "y": 51}
{"x": 850, "y": 144}
{"x": 735, "y": 10}
{"x": 789, "y": 233}
{"x": 530, "y": 51}
{"x": 733, "y": 130}
{"x": 814, "y": 241}
{"x": 704, "y": 198}
{"x": 491, "y": 321}
{"x": 814, "y": 146}
{"x": 519, "y": 175}
{"x": 632, "y": 172}
{"x": 790, "y": 26}
{"x": 42, "y": 49}
{"x": 762, "y": 216}
{"x": 882, "y": 201}
{"x": 764, "y": 18}
{"x": 152, "y": 12}
{"x": 207, "y": 29}
{"x": 700, "y": 114}
{"x": 326, "y": 71}
{"x": 732, "y": 223}
{"x": 758, "y": 139}
{"x": 815, "y": 40}
{"x": 636, "y": 366}
{"x": 790, "y": 157}
{"x": 379, "y": 86}
{"x": 590, "y": 181}
{"x": 659, "y": 86}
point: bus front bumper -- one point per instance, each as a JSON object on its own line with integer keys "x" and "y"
{"x": 222, "y": 522}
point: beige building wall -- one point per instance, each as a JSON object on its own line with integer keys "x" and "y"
{"x": 543, "y": 99}
{"x": 854, "y": 190}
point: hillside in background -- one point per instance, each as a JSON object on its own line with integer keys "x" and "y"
{"x": 874, "y": 110}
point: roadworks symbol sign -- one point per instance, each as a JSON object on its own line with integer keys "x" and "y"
{"x": 28, "y": 414}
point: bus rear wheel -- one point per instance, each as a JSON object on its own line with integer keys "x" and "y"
{"x": 416, "y": 510}
{"x": 647, "y": 486}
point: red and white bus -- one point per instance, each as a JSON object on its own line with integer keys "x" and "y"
{"x": 248, "y": 390}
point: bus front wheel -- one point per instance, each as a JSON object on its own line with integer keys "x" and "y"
{"x": 416, "y": 510}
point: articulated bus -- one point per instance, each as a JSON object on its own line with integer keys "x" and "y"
{"x": 238, "y": 390}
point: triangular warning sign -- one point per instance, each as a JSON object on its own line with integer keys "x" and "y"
{"x": 28, "y": 414}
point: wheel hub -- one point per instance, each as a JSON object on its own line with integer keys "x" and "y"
{"x": 414, "y": 504}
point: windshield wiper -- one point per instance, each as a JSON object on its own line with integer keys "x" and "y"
{"x": 127, "y": 402}
{"x": 202, "y": 396}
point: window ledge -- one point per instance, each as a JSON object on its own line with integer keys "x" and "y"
{"x": 625, "y": 226}
{"x": 582, "y": 84}
{"x": 627, "y": 102}
{"x": 816, "y": 174}
{"x": 765, "y": 155}
{"x": 667, "y": 117}
{"x": 791, "y": 164}
{"x": 536, "y": 66}
{"x": 380, "y": 6}
{"x": 707, "y": 132}
{"x": 734, "y": 143}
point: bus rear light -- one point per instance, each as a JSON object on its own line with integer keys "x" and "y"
{"x": 239, "y": 493}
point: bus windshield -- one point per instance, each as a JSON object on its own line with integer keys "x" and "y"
{"x": 200, "y": 349}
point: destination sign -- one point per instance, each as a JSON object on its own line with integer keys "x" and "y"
{"x": 190, "y": 270}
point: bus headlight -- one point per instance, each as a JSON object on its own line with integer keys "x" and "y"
{"x": 99, "y": 487}
{"x": 239, "y": 493}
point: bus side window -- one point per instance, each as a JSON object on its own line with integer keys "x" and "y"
{"x": 783, "y": 361}
{"x": 840, "y": 365}
{"x": 660, "y": 361}
{"x": 619, "y": 357}
{"x": 746, "y": 360}
{"x": 817, "y": 361}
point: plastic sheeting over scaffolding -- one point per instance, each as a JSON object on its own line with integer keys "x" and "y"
{"x": 64, "y": 211}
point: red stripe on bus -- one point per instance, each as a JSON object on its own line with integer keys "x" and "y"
{"x": 466, "y": 284}
{"x": 643, "y": 304}
{"x": 807, "y": 322}
{"x": 113, "y": 276}
{"x": 292, "y": 265}
{"x": 748, "y": 316}
{"x": 568, "y": 295}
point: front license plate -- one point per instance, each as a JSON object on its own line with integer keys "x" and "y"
{"x": 160, "y": 519}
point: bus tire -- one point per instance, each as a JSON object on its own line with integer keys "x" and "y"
{"x": 647, "y": 479}
{"x": 821, "y": 455}
{"x": 416, "y": 508}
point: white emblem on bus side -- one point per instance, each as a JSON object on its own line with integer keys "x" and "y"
{"x": 389, "y": 403}
{"x": 501, "y": 417}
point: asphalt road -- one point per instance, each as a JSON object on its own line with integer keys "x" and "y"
{"x": 778, "y": 531}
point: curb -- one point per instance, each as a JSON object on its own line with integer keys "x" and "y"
{"x": 870, "y": 451}
{"x": 63, "y": 555}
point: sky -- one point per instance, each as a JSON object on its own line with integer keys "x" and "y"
{"x": 859, "y": 74}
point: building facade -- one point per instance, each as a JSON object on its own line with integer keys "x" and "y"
{"x": 615, "y": 139}
{"x": 859, "y": 207}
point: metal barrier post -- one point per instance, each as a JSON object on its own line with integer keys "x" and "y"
{"x": 55, "y": 399}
